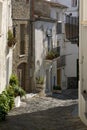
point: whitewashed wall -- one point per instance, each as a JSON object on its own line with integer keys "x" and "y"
{"x": 67, "y": 49}
{"x": 83, "y": 61}
{"x": 41, "y": 45}
{"x": 5, "y": 52}
{"x": 68, "y": 3}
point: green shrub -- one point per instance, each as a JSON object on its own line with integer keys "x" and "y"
{"x": 18, "y": 91}
{"x": 15, "y": 88}
{"x": 4, "y": 106}
{"x": 11, "y": 102}
{"x": 7, "y": 96}
{"x": 13, "y": 80}
{"x": 10, "y": 90}
{"x": 10, "y": 97}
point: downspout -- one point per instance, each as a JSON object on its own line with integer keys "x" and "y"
{"x": 32, "y": 48}
{"x": 31, "y": 23}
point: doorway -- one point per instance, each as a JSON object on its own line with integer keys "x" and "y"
{"x": 21, "y": 71}
{"x": 59, "y": 77}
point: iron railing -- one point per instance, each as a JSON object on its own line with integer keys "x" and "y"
{"x": 61, "y": 61}
{"x": 72, "y": 29}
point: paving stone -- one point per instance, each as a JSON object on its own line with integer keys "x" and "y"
{"x": 45, "y": 113}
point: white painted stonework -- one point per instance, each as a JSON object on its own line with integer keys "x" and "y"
{"x": 70, "y": 9}
{"x": 43, "y": 68}
{"x": 5, "y": 52}
{"x": 66, "y": 48}
{"x": 83, "y": 62}
{"x": 60, "y": 40}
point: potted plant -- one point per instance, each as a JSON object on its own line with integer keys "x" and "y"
{"x": 18, "y": 91}
{"x": 56, "y": 89}
{"x": 40, "y": 84}
{"x": 10, "y": 97}
{"x": 11, "y": 39}
{"x": 52, "y": 55}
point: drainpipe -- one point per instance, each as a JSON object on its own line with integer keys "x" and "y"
{"x": 32, "y": 44}
{"x": 31, "y": 24}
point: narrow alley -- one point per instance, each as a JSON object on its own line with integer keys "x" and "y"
{"x": 46, "y": 113}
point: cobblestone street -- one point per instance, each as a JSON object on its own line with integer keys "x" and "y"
{"x": 58, "y": 112}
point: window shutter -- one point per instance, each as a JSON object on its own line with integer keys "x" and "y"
{"x": 59, "y": 28}
{"x": 22, "y": 39}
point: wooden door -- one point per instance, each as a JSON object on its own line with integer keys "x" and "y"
{"x": 21, "y": 74}
{"x": 59, "y": 77}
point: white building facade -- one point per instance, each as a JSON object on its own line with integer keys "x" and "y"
{"x": 58, "y": 12}
{"x": 5, "y": 51}
{"x": 43, "y": 67}
{"x": 67, "y": 46}
{"x": 83, "y": 61}
{"x": 46, "y": 39}
{"x": 71, "y": 4}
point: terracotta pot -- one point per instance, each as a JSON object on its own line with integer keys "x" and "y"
{"x": 11, "y": 42}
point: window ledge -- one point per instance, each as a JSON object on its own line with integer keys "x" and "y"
{"x": 84, "y": 23}
{"x": 22, "y": 55}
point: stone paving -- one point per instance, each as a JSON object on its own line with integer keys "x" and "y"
{"x": 58, "y": 112}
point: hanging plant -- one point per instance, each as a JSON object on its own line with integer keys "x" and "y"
{"x": 11, "y": 39}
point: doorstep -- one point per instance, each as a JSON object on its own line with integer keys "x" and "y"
{"x": 57, "y": 91}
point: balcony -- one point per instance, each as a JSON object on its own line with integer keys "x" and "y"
{"x": 51, "y": 57}
{"x": 53, "y": 54}
{"x": 61, "y": 61}
{"x": 72, "y": 29}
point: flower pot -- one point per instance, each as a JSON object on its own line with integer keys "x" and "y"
{"x": 40, "y": 89}
{"x": 17, "y": 101}
{"x": 11, "y": 43}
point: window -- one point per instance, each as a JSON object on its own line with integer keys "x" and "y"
{"x": 0, "y": 16}
{"x": 22, "y": 39}
{"x": 19, "y": 73}
{"x": 74, "y": 3}
{"x": 49, "y": 36}
{"x": 57, "y": 43}
{"x": 57, "y": 16}
{"x": 59, "y": 28}
{"x": 27, "y": 1}
{"x": 49, "y": 43}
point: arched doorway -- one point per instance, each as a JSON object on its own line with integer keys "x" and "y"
{"x": 21, "y": 71}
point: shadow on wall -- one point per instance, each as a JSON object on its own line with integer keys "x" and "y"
{"x": 68, "y": 94}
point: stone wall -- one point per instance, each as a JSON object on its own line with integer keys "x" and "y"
{"x": 41, "y": 8}
{"x": 5, "y": 51}
{"x": 21, "y": 15}
{"x": 20, "y": 9}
